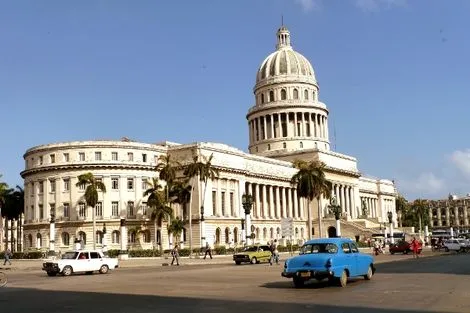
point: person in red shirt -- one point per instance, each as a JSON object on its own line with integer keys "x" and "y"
{"x": 415, "y": 247}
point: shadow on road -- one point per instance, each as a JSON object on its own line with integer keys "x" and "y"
{"x": 444, "y": 264}
{"x": 39, "y": 301}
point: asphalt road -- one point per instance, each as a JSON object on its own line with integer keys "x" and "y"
{"x": 434, "y": 284}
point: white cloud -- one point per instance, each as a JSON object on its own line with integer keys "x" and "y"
{"x": 461, "y": 160}
{"x": 426, "y": 184}
{"x": 376, "y": 5}
{"x": 308, "y": 5}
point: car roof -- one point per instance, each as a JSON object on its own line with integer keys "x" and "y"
{"x": 85, "y": 250}
{"x": 336, "y": 241}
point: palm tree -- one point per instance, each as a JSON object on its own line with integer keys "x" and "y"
{"x": 203, "y": 171}
{"x": 311, "y": 184}
{"x": 175, "y": 228}
{"x": 158, "y": 201}
{"x": 91, "y": 195}
{"x": 166, "y": 168}
{"x": 180, "y": 193}
{"x": 420, "y": 207}
{"x": 401, "y": 205}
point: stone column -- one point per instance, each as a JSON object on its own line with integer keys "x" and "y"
{"x": 348, "y": 203}
{"x": 465, "y": 214}
{"x": 105, "y": 240}
{"x": 278, "y": 203}
{"x": 265, "y": 128}
{"x": 272, "y": 214}
{"x": 123, "y": 253}
{"x": 456, "y": 216}
{"x": 447, "y": 216}
{"x": 257, "y": 201}
{"x": 284, "y": 203}
{"x": 290, "y": 212}
{"x": 265, "y": 204}
{"x": 439, "y": 216}
{"x": 296, "y": 204}
{"x": 52, "y": 237}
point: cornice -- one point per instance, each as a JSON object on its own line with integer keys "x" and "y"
{"x": 283, "y": 106}
{"x": 87, "y": 166}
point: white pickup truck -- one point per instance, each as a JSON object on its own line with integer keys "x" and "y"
{"x": 87, "y": 261}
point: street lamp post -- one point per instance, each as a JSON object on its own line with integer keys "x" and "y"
{"x": 243, "y": 231}
{"x": 390, "y": 220}
{"x": 247, "y": 203}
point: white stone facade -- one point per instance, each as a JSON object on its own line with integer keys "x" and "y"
{"x": 287, "y": 122}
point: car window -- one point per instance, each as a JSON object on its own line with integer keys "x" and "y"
{"x": 69, "y": 255}
{"x": 95, "y": 255}
{"x": 83, "y": 256}
{"x": 345, "y": 247}
{"x": 354, "y": 248}
{"x": 250, "y": 249}
{"x": 319, "y": 248}
{"x": 265, "y": 248}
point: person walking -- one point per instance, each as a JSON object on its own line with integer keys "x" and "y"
{"x": 7, "y": 256}
{"x": 175, "y": 255}
{"x": 208, "y": 250}
{"x": 275, "y": 252}
{"x": 415, "y": 247}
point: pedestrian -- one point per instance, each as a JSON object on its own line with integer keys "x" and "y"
{"x": 7, "y": 256}
{"x": 415, "y": 247}
{"x": 208, "y": 250}
{"x": 175, "y": 255}
{"x": 275, "y": 252}
{"x": 271, "y": 249}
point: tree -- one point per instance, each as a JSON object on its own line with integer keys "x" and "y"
{"x": 202, "y": 171}
{"x": 180, "y": 193}
{"x": 311, "y": 184}
{"x": 401, "y": 206}
{"x": 166, "y": 168}
{"x": 91, "y": 195}
{"x": 157, "y": 200}
{"x": 420, "y": 209}
{"x": 175, "y": 228}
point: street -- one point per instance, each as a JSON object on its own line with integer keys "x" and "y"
{"x": 433, "y": 284}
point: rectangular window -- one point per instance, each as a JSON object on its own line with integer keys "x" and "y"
{"x": 99, "y": 180}
{"x": 66, "y": 184}
{"x": 66, "y": 210}
{"x": 308, "y": 129}
{"x": 52, "y": 209}
{"x": 66, "y": 157}
{"x": 32, "y": 212}
{"x": 52, "y": 157}
{"x": 144, "y": 184}
{"x": 97, "y": 156}
{"x": 114, "y": 156}
{"x": 40, "y": 160}
{"x": 115, "y": 183}
{"x": 81, "y": 209}
{"x": 144, "y": 157}
{"x": 130, "y": 156}
{"x": 99, "y": 210}
{"x": 41, "y": 212}
{"x": 130, "y": 184}
{"x": 115, "y": 208}
{"x": 81, "y": 156}
{"x": 130, "y": 209}
{"x": 52, "y": 182}
{"x": 41, "y": 187}
{"x": 284, "y": 129}
{"x": 81, "y": 187}
{"x": 223, "y": 203}
{"x": 143, "y": 208}
{"x": 232, "y": 207}
{"x": 214, "y": 202}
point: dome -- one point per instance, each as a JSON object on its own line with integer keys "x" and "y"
{"x": 285, "y": 64}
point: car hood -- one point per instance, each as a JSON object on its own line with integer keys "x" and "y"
{"x": 309, "y": 260}
{"x": 246, "y": 253}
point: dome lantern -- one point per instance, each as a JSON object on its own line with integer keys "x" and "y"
{"x": 283, "y": 38}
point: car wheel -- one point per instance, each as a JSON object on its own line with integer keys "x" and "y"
{"x": 446, "y": 249}
{"x": 238, "y": 262}
{"x": 298, "y": 283}
{"x": 104, "y": 269}
{"x": 254, "y": 260}
{"x": 392, "y": 252}
{"x": 369, "y": 274}
{"x": 343, "y": 279}
{"x": 406, "y": 251}
{"x": 67, "y": 271}
{"x": 51, "y": 274}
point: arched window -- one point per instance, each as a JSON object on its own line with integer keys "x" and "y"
{"x": 262, "y": 98}
{"x": 271, "y": 96}
{"x": 227, "y": 235}
{"x": 132, "y": 236}
{"x": 296, "y": 232}
{"x": 283, "y": 94}
{"x": 278, "y": 233}
{"x": 30, "y": 241}
{"x": 38, "y": 241}
{"x": 296, "y": 93}
{"x": 65, "y": 239}
{"x": 313, "y": 96}
{"x": 146, "y": 236}
{"x": 302, "y": 233}
{"x": 269, "y": 146}
{"x": 271, "y": 233}
{"x": 284, "y": 145}
{"x": 235, "y": 235}
{"x": 265, "y": 233}
{"x": 305, "y": 94}
{"x": 301, "y": 144}
{"x": 115, "y": 236}
{"x": 82, "y": 237}
{"x": 99, "y": 237}
{"x": 217, "y": 236}
{"x": 257, "y": 232}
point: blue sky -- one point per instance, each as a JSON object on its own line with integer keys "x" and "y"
{"x": 392, "y": 72}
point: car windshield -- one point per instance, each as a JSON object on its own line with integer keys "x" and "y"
{"x": 69, "y": 255}
{"x": 250, "y": 249}
{"x": 319, "y": 248}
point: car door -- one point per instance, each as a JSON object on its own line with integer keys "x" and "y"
{"x": 96, "y": 261}
{"x": 82, "y": 263}
{"x": 361, "y": 266}
{"x": 348, "y": 259}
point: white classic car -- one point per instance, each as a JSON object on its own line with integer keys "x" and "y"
{"x": 87, "y": 261}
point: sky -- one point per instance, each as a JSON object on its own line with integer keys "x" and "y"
{"x": 393, "y": 74}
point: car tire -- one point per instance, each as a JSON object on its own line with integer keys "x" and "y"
{"x": 392, "y": 252}
{"x": 370, "y": 273}
{"x": 67, "y": 271}
{"x": 446, "y": 249}
{"x": 298, "y": 283}
{"x": 343, "y": 279}
{"x": 238, "y": 262}
{"x": 406, "y": 251}
{"x": 254, "y": 260}
{"x": 104, "y": 269}
{"x": 51, "y": 274}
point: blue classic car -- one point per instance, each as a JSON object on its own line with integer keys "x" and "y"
{"x": 334, "y": 258}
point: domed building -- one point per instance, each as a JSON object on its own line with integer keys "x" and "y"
{"x": 286, "y": 122}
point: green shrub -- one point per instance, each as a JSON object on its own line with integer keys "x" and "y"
{"x": 148, "y": 253}
{"x": 31, "y": 255}
{"x": 220, "y": 250}
{"x": 362, "y": 244}
{"x": 113, "y": 253}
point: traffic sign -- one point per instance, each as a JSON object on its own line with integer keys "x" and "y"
{"x": 287, "y": 227}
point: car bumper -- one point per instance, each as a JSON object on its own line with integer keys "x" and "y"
{"x": 51, "y": 268}
{"x": 309, "y": 274}
{"x": 242, "y": 259}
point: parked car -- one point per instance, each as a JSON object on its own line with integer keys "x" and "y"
{"x": 253, "y": 254}
{"x": 454, "y": 245}
{"x": 336, "y": 259}
{"x": 87, "y": 261}
{"x": 403, "y": 247}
